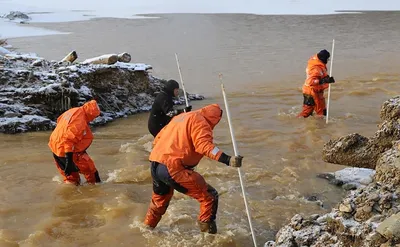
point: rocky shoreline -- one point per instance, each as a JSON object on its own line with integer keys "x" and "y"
{"x": 35, "y": 91}
{"x": 369, "y": 215}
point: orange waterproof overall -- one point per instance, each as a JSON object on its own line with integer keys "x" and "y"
{"x": 313, "y": 92}
{"x": 177, "y": 149}
{"x": 73, "y": 134}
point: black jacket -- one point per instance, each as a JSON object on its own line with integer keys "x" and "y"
{"x": 162, "y": 110}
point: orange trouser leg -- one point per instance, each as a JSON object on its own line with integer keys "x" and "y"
{"x": 320, "y": 108}
{"x": 307, "y": 111}
{"x": 198, "y": 189}
{"x": 162, "y": 194}
{"x": 158, "y": 207}
{"x": 86, "y": 166}
{"x": 308, "y": 105}
{"x": 187, "y": 182}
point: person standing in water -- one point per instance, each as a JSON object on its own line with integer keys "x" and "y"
{"x": 69, "y": 141}
{"x": 178, "y": 148}
{"x": 316, "y": 82}
{"x": 163, "y": 107}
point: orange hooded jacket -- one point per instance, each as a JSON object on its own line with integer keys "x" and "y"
{"x": 187, "y": 138}
{"x": 316, "y": 70}
{"x": 72, "y": 133}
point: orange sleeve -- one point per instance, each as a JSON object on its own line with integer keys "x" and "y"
{"x": 314, "y": 75}
{"x": 202, "y": 137}
{"x": 74, "y": 134}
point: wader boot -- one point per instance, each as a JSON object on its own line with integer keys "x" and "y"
{"x": 209, "y": 227}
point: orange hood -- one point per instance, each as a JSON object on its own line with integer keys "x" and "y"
{"x": 91, "y": 110}
{"x": 314, "y": 61}
{"x": 212, "y": 113}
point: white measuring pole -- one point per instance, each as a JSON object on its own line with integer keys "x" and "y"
{"x": 329, "y": 88}
{"x": 228, "y": 114}
{"x": 180, "y": 75}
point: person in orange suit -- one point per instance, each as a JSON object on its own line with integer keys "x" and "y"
{"x": 316, "y": 82}
{"x": 177, "y": 150}
{"x": 69, "y": 141}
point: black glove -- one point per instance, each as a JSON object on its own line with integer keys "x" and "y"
{"x": 70, "y": 166}
{"x": 236, "y": 161}
{"x": 331, "y": 80}
{"x": 188, "y": 108}
{"x": 229, "y": 161}
{"x": 326, "y": 79}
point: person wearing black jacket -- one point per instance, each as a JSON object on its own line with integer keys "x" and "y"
{"x": 162, "y": 110}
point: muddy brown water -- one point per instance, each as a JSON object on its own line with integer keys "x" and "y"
{"x": 263, "y": 61}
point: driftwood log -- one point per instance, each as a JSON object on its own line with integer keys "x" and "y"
{"x": 124, "y": 57}
{"x": 104, "y": 59}
{"x": 71, "y": 57}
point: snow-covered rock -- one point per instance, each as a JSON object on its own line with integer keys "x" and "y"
{"x": 34, "y": 91}
{"x": 350, "y": 178}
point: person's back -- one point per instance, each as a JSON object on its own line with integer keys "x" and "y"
{"x": 65, "y": 135}
{"x": 69, "y": 141}
{"x": 178, "y": 148}
{"x": 187, "y": 138}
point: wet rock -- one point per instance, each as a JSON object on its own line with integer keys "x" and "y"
{"x": 33, "y": 94}
{"x": 269, "y": 244}
{"x": 360, "y": 219}
{"x": 391, "y": 109}
{"x": 363, "y": 213}
{"x": 375, "y": 239}
{"x": 296, "y": 221}
{"x": 331, "y": 178}
{"x": 388, "y": 167}
{"x": 346, "y": 207}
{"x": 359, "y": 151}
{"x": 349, "y": 186}
{"x": 10, "y": 114}
{"x": 13, "y": 15}
{"x": 374, "y": 197}
{"x": 348, "y": 150}
{"x": 390, "y": 228}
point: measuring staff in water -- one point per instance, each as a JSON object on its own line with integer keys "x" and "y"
{"x": 163, "y": 107}
{"x": 316, "y": 82}
{"x": 177, "y": 150}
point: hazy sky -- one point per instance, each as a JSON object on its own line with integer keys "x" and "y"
{"x": 127, "y": 7}
{"x": 61, "y": 9}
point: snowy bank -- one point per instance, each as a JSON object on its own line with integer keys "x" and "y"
{"x": 34, "y": 91}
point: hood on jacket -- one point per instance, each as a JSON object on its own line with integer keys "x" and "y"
{"x": 91, "y": 110}
{"x": 212, "y": 113}
{"x": 315, "y": 61}
{"x": 170, "y": 86}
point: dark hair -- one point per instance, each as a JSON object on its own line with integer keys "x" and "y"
{"x": 170, "y": 86}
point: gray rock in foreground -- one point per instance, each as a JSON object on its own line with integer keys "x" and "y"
{"x": 359, "y": 151}
{"x": 368, "y": 216}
